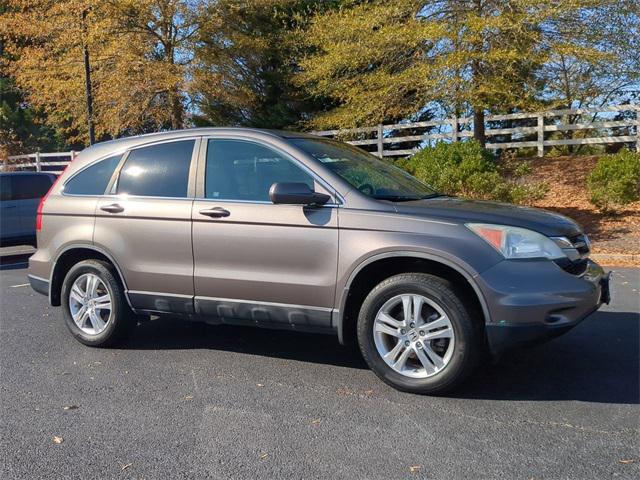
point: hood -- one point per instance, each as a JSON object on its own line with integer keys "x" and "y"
{"x": 475, "y": 211}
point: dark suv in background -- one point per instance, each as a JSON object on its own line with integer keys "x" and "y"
{"x": 20, "y": 194}
{"x": 285, "y": 230}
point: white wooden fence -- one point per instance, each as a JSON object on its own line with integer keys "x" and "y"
{"x": 53, "y": 162}
{"x": 540, "y": 130}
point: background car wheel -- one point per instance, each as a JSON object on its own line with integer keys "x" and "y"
{"x": 417, "y": 335}
{"x": 95, "y": 308}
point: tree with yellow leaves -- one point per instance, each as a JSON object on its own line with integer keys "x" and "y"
{"x": 139, "y": 53}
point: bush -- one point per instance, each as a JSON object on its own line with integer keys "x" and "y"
{"x": 615, "y": 181}
{"x": 468, "y": 170}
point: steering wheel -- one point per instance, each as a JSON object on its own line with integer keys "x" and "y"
{"x": 367, "y": 189}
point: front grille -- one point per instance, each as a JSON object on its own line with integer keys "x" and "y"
{"x": 581, "y": 244}
{"x": 577, "y": 266}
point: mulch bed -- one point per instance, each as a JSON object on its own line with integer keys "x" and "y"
{"x": 566, "y": 178}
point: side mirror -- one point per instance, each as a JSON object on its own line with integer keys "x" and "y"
{"x": 296, "y": 194}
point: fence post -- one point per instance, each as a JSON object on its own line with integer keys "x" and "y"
{"x": 38, "y": 166}
{"x": 380, "y": 143}
{"x": 454, "y": 129}
{"x": 638, "y": 131}
{"x": 540, "y": 135}
{"x": 72, "y": 155}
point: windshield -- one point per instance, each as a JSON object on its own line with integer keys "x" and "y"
{"x": 370, "y": 175}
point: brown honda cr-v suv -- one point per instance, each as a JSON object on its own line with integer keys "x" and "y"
{"x": 285, "y": 230}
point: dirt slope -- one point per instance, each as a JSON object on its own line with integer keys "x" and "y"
{"x": 566, "y": 178}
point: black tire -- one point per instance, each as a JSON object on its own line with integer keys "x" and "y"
{"x": 468, "y": 345}
{"x": 122, "y": 319}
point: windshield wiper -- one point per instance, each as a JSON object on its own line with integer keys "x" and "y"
{"x": 396, "y": 198}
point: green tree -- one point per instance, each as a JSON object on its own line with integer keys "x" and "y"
{"x": 245, "y": 60}
{"x": 388, "y": 60}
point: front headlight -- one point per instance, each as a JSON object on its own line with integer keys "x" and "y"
{"x": 514, "y": 242}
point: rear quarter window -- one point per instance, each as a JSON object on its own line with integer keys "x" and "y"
{"x": 160, "y": 170}
{"x": 94, "y": 179}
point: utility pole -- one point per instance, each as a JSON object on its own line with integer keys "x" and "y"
{"x": 87, "y": 79}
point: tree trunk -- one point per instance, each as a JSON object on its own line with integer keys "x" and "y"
{"x": 177, "y": 112}
{"x": 476, "y": 67}
{"x": 478, "y": 126}
{"x": 87, "y": 81}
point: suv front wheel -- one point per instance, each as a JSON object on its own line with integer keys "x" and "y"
{"x": 95, "y": 308}
{"x": 417, "y": 334}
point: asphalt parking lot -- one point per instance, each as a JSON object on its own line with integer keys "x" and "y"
{"x": 184, "y": 400}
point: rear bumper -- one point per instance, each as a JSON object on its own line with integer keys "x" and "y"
{"x": 531, "y": 302}
{"x": 40, "y": 285}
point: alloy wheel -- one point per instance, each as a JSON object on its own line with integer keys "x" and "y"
{"x": 414, "y": 336}
{"x": 90, "y": 304}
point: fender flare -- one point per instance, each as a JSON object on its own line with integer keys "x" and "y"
{"x": 467, "y": 272}
{"x": 88, "y": 246}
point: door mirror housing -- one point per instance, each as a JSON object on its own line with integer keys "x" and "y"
{"x": 296, "y": 194}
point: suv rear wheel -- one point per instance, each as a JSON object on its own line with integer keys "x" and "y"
{"x": 95, "y": 308}
{"x": 417, "y": 334}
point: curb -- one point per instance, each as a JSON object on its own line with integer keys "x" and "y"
{"x": 604, "y": 257}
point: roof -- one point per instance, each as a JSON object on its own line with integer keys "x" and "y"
{"x": 28, "y": 173}
{"x": 110, "y": 147}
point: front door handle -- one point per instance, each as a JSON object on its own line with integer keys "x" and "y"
{"x": 113, "y": 208}
{"x": 215, "y": 212}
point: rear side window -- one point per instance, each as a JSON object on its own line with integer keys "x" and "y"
{"x": 27, "y": 187}
{"x": 93, "y": 180}
{"x": 158, "y": 170}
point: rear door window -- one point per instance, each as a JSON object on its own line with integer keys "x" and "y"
{"x": 160, "y": 170}
{"x": 93, "y": 180}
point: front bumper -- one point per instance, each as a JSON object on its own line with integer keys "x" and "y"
{"x": 533, "y": 301}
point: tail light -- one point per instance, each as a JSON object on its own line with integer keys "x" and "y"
{"x": 44, "y": 199}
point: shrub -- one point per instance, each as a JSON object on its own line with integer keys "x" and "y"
{"x": 468, "y": 170}
{"x": 615, "y": 181}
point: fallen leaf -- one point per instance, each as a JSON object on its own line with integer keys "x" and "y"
{"x": 415, "y": 469}
{"x": 315, "y": 421}
{"x": 626, "y": 461}
{"x": 189, "y": 397}
{"x": 57, "y": 439}
{"x": 259, "y": 384}
{"x": 70, "y": 407}
{"x": 264, "y": 456}
{"x": 124, "y": 467}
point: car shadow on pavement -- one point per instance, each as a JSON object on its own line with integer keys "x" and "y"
{"x": 598, "y": 361}
{"x": 177, "y": 334}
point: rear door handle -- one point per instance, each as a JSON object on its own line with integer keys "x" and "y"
{"x": 215, "y": 212}
{"x": 113, "y": 208}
